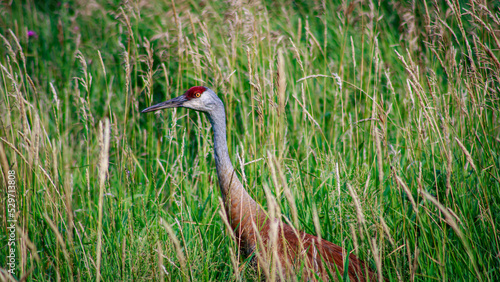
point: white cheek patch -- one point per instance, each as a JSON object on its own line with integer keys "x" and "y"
{"x": 204, "y": 98}
{"x": 190, "y": 104}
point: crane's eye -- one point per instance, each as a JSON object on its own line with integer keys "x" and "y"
{"x": 197, "y": 94}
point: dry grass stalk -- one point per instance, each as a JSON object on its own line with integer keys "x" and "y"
{"x": 7, "y": 46}
{"x": 486, "y": 26}
{"x": 177, "y": 246}
{"x": 69, "y": 207}
{"x": 378, "y": 146}
{"x": 455, "y": 6}
{"x": 61, "y": 243}
{"x": 235, "y": 264}
{"x": 35, "y": 142}
{"x": 23, "y": 237}
{"x": 167, "y": 81}
{"x": 124, "y": 252}
{"x": 314, "y": 40}
{"x": 128, "y": 73}
{"x": 19, "y": 48}
{"x": 274, "y": 176}
{"x": 148, "y": 80}
{"x": 130, "y": 31}
{"x": 337, "y": 178}
{"x": 415, "y": 263}
{"x": 6, "y": 276}
{"x": 357, "y": 205}
{"x": 307, "y": 113}
{"x": 224, "y": 216}
{"x": 313, "y": 76}
{"x": 57, "y": 107}
{"x": 86, "y": 82}
{"x": 354, "y": 241}
{"x": 242, "y": 162}
{"x": 450, "y": 220}
{"x": 378, "y": 260}
{"x": 86, "y": 259}
{"x": 230, "y": 231}
{"x": 386, "y": 230}
{"x": 359, "y": 215}
{"x": 254, "y": 82}
{"x": 317, "y": 225}
{"x": 449, "y": 155}
{"x": 104, "y": 135}
{"x": 102, "y": 63}
{"x": 15, "y": 150}
{"x": 18, "y": 94}
{"x": 401, "y": 183}
{"x": 261, "y": 253}
{"x": 490, "y": 54}
{"x": 176, "y": 17}
{"x": 87, "y": 178}
{"x": 46, "y": 174}
{"x": 288, "y": 194}
{"x": 467, "y": 154}
{"x": 419, "y": 178}
{"x": 281, "y": 83}
{"x": 302, "y": 253}
{"x": 273, "y": 212}
{"x": 161, "y": 268}
{"x": 353, "y": 54}
{"x": 297, "y": 55}
{"x": 4, "y": 164}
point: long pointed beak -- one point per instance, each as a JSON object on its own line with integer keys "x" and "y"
{"x": 172, "y": 103}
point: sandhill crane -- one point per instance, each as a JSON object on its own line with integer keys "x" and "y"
{"x": 295, "y": 249}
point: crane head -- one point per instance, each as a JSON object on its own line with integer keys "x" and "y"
{"x": 199, "y": 98}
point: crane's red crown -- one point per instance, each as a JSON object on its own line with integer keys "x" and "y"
{"x": 194, "y": 92}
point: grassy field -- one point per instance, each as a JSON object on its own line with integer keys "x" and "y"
{"x": 378, "y": 130}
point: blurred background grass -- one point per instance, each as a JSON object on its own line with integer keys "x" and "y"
{"x": 396, "y": 100}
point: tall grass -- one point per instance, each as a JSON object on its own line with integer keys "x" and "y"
{"x": 371, "y": 124}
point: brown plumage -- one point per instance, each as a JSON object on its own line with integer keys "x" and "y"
{"x": 258, "y": 235}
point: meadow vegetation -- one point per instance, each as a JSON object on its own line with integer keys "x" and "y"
{"x": 372, "y": 124}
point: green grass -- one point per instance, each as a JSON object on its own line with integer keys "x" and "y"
{"x": 393, "y": 150}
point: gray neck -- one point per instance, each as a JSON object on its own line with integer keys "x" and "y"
{"x": 241, "y": 209}
{"x": 228, "y": 179}
{"x": 222, "y": 160}
{"x": 231, "y": 188}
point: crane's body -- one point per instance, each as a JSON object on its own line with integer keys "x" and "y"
{"x": 296, "y": 250}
